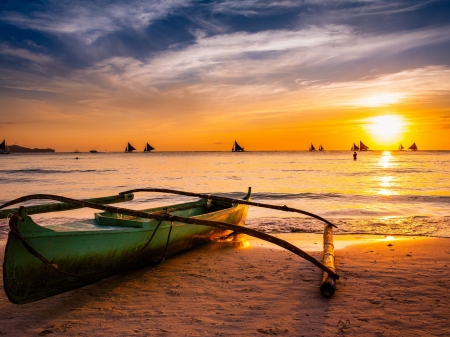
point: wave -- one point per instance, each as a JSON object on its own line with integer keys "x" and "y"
{"x": 288, "y": 196}
{"x": 353, "y": 198}
{"x": 42, "y": 171}
{"x": 385, "y": 171}
{"x": 416, "y": 225}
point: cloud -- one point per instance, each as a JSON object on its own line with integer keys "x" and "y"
{"x": 220, "y": 57}
{"x": 252, "y": 7}
{"x": 89, "y": 20}
{"x": 421, "y": 84}
{"x": 24, "y": 54}
{"x": 291, "y": 69}
{"x": 268, "y": 62}
{"x": 317, "y": 7}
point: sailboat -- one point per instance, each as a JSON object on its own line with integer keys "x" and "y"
{"x": 354, "y": 147}
{"x": 148, "y": 148}
{"x": 362, "y": 146}
{"x": 4, "y": 149}
{"x": 312, "y": 148}
{"x": 321, "y": 148}
{"x": 129, "y": 148}
{"x": 413, "y": 147}
{"x": 237, "y": 147}
{"x": 400, "y": 148}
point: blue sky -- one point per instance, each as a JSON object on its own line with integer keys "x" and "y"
{"x": 278, "y": 68}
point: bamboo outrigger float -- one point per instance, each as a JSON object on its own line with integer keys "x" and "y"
{"x": 44, "y": 261}
{"x": 328, "y": 284}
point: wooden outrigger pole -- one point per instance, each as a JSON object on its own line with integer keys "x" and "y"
{"x": 235, "y": 201}
{"x": 46, "y": 208}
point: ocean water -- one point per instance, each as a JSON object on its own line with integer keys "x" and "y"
{"x": 382, "y": 192}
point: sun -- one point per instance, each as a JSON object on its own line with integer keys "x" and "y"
{"x": 386, "y": 128}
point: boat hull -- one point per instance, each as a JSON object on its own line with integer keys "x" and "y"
{"x": 102, "y": 248}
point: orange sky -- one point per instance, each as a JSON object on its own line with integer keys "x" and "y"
{"x": 262, "y": 73}
{"x": 332, "y": 116}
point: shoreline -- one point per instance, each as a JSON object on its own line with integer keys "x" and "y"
{"x": 388, "y": 287}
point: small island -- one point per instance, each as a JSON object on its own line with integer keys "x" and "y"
{"x": 21, "y": 149}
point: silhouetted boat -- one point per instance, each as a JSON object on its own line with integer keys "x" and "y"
{"x": 413, "y": 147}
{"x": 4, "y": 149}
{"x": 93, "y": 151}
{"x": 237, "y": 147}
{"x": 148, "y": 148}
{"x": 362, "y": 146}
{"x": 321, "y": 148}
{"x": 354, "y": 147}
{"x": 400, "y": 148}
{"x": 129, "y": 148}
{"x": 312, "y": 148}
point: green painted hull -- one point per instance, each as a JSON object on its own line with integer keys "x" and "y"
{"x": 85, "y": 252}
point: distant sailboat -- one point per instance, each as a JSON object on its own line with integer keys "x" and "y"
{"x": 413, "y": 147}
{"x": 129, "y": 148}
{"x": 4, "y": 149}
{"x": 321, "y": 148}
{"x": 237, "y": 147}
{"x": 354, "y": 147}
{"x": 148, "y": 148}
{"x": 400, "y": 148}
{"x": 312, "y": 148}
{"x": 362, "y": 146}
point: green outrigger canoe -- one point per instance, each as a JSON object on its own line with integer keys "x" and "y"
{"x": 42, "y": 261}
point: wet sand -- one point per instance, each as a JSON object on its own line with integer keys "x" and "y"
{"x": 387, "y": 288}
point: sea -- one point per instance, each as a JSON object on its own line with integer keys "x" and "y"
{"x": 382, "y": 192}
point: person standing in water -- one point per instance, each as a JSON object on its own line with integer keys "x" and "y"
{"x": 354, "y": 155}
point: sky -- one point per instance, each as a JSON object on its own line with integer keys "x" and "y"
{"x": 198, "y": 75}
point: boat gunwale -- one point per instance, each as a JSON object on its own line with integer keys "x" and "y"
{"x": 100, "y": 229}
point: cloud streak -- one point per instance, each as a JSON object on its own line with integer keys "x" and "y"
{"x": 242, "y": 66}
{"x": 24, "y": 54}
{"x": 277, "y": 61}
{"x": 88, "y": 20}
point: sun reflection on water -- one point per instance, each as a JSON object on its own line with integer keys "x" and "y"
{"x": 386, "y": 182}
{"x": 385, "y": 160}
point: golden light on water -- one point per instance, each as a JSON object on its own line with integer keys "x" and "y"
{"x": 385, "y": 160}
{"x": 390, "y": 237}
{"x": 386, "y": 128}
{"x": 386, "y": 182}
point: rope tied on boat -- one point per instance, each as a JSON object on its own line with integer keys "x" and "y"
{"x": 15, "y": 232}
{"x": 169, "y": 217}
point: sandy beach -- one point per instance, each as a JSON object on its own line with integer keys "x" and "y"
{"x": 388, "y": 287}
